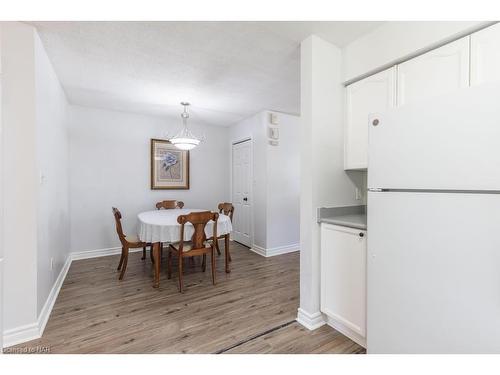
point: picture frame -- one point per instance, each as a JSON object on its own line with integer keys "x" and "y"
{"x": 169, "y": 166}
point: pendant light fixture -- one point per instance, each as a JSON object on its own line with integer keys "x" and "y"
{"x": 185, "y": 140}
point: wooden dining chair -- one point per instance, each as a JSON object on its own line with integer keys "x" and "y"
{"x": 166, "y": 205}
{"x": 228, "y": 210}
{"x": 169, "y": 204}
{"x": 198, "y": 244}
{"x": 128, "y": 242}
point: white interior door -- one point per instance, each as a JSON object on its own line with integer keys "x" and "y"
{"x": 242, "y": 184}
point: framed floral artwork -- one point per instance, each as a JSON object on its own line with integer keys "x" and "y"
{"x": 169, "y": 166}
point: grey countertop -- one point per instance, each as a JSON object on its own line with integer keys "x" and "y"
{"x": 347, "y": 216}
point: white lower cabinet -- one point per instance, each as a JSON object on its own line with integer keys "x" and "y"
{"x": 343, "y": 280}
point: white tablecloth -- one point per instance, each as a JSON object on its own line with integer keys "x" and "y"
{"x": 162, "y": 225}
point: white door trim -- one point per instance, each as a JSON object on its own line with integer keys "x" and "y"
{"x": 234, "y": 142}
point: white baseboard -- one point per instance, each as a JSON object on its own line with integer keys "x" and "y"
{"x": 35, "y": 330}
{"x": 310, "y": 321}
{"x": 51, "y": 299}
{"x": 258, "y": 250}
{"x": 87, "y": 254}
{"x": 346, "y": 331}
{"x": 21, "y": 334}
{"x": 273, "y": 251}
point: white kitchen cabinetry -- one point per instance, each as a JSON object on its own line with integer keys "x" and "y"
{"x": 373, "y": 94}
{"x": 343, "y": 280}
{"x": 485, "y": 55}
{"x": 438, "y": 72}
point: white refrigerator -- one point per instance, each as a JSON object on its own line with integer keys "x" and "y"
{"x": 433, "y": 271}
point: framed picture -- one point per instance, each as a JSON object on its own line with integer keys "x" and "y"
{"x": 169, "y": 166}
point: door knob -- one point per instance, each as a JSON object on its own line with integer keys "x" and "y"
{"x": 375, "y": 122}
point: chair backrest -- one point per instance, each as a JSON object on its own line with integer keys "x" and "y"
{"x": 169, "y": 204}
{"x": 227, "y": 209}
{"x": 199, "y": 221}
{"x": 117, "y": 214}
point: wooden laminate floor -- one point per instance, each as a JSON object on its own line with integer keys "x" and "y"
{"x": 250, "y": 310}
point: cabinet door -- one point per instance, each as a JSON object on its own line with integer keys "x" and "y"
{"x": 485, "y": 55}
{"x": 343, "y": 276}
{"x": 438, "y": 72}
{"x": 373, "y": 94}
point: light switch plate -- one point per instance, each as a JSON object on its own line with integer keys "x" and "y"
{"x": 358, "y": 194}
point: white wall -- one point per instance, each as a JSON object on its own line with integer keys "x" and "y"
{"x": 52, "y": 159}
{"x": 110, "y": 166}
{"x": 254, "y": 128}
{"x": 1, "y": 200}
{"x": 276, "y": 180}
{"x": 323, "y": 180}
{"x": 35, "y": 140}
{"x": 393, "y": 41}
{"x": 283, "y": 185}
{"x": 19, "y": 175}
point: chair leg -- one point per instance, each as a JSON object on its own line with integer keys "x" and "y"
{"x": 124, "y": 266}
{"x": 151, "y": 254}
{"x": 180, "y": 273}
{"x": 204, "y": 263}
{"x": 121, "y": 260}
{"x": 226, "y": 245}
{"x": 169, "y": 264}
{"x": 143, "y": 253}
{"x": 227, "y": 256}
{"x": 212, "y": 258}
{"x": 216, "y": 242}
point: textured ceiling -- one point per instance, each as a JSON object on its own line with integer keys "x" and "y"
{"x": 227, "y": 70}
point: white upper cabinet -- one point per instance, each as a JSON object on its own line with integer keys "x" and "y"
{"x": 438, "y": 72}
{"x": 373, "y": 94}
{"x": 485, "y": 55}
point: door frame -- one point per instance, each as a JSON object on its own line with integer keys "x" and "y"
{"x": 233, "y": 143}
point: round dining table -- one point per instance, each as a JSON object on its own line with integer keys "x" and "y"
{"x": 161, "y": 226}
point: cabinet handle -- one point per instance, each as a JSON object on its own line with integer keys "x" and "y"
{"x": 361, "y": 234}
{"x": 375, "y": 122}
